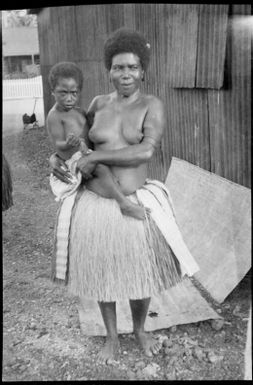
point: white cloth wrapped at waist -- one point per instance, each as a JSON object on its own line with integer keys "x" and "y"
{"x": 60, "y": 189}
{"x": 155, "y": 196}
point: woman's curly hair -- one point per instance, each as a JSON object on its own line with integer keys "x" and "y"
{"x": 65, "y": 69}
{"x": 126, "y": 41}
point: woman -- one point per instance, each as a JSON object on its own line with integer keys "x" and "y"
{"x": 112, "y": 257}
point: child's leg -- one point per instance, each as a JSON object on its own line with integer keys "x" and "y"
{"x": 111, "y": 189}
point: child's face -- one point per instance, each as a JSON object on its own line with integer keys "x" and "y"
{"x": 66, "y": 93}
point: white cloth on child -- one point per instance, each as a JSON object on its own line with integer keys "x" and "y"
{"x": 60, "y": 189}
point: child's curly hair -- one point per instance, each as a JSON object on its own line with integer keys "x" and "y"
{"x": 126, "y": 41}
{"x": 65, "y": 70}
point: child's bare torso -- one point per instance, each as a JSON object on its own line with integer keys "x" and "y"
{"x": 72, "y": 122}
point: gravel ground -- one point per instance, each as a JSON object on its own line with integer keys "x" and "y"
{"x": 42, "y": 340}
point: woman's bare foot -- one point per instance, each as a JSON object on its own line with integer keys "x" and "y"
{"x": 133, "y": 210}
{"x": 109, "y": 351}
{"x": 149, "y": 344}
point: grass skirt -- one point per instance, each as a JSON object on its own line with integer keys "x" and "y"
{"x": 7, "y": 201}
{"x": 114, "y": 257}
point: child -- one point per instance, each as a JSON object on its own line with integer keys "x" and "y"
{"x": 68, "y": 129}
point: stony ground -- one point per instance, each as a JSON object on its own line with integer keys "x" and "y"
{"x": 42, "y": 339}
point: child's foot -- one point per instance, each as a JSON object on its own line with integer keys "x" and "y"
{"x": 133, "y": 210}
{"x": 149, "y": 344}
{"x": 109, "y": 351}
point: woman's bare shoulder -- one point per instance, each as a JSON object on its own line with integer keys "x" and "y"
{"x": 99, "y": 102}
{"x": 152, "y": 101}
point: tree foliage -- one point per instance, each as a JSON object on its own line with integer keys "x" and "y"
{"x": 20, "y": 18}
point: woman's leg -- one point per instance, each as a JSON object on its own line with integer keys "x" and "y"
{"x": 110, "y": 350}
{"x": 139, "y": 309}
{"x": 108, "y": 187}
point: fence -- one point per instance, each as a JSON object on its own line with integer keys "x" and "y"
{"x": 23, "y": 88}
{"x": 21, "y": 96}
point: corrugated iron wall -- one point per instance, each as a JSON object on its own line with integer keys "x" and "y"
{"x": 200, "y": 67}
{"x": 212, "y": 33}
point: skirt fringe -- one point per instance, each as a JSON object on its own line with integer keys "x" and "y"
{"x": 114, "y": 257}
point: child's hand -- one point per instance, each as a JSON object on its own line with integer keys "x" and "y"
{"x": 58, "y": 168}
{"x": 73, "y": 140}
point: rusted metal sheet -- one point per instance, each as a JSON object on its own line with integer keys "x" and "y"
{"x": 90, "y": 30}
{"x": 182, "y": 304}
{"x": 214, "y": 217}
{"x": 68, "y": 34}
{"x": 217, "y": 133}
{"x": 58, "y": 42}
{"x": 229, "y": 109}
{"x": 57, "y": 38}
{"x": 212, "y": 34}
{"x": 48, "y": 98}
{"x": 241, "y": 97}
{"x": 149, "y": 30}
{"x": 45, "y": 48}
{"x": 63, "y": 43}
{"x": 93, "y": 70}
{"x": 155, "y": 81}
{"x": 129, "y": 16}
{"x": 188, "y": 128}
{"x": 229, "y": 140}
{"x": 157, "y": 167}
{"x": 241, "y": 9}
{"x": 114, "y": 17}
{"x": 182, "y": 32}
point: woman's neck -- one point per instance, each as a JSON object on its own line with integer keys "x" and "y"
{"x": 127, "y": 98}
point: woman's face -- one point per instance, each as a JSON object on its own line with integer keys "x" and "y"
{"x": 126, "y": 73}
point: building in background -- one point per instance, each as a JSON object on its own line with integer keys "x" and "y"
{"x": 20, "y": 46}
{"x": 22, "y": 82}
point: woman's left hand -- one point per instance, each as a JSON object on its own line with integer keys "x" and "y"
{"x": 86, "y": 165}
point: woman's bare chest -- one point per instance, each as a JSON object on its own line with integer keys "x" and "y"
{"x": 118, "y": 126}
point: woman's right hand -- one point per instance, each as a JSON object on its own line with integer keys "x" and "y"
{"x": 59, "y": 168}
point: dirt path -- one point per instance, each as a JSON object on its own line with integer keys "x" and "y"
{"x": 41, "y": 334}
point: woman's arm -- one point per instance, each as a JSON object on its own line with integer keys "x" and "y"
{"x": 136, "y": 154}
